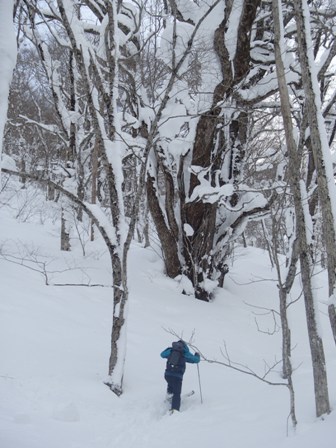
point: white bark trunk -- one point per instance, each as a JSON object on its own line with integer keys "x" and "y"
{"x": 320, "y": 146}
{"x": 316, "y": 345}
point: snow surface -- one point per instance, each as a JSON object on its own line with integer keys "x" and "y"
{"x": 54, "y": 349}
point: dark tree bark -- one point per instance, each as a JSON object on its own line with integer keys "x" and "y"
{"x": 326, "y": 190}
{"x": 167, "y": 238}
{"x": 210, "y": 146}
{"x": 65, "y": 234}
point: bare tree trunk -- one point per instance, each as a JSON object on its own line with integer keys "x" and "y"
{"x": 214, "y": 132}
{"x": 65, "y": 234}
{"x": 94, "y": 180}
{"x": 145, "y": 230}
{"x": 23, "y": 169}
{"x": 287, "y": 368}
{"x": 118, "y": 351}
{"x": 320, "y": 148}
{"x": 168, "y": 241}
{"x": 266, "y": 238}
{"x": 284, "y": 289}
{"x": 102, "y": 129}
{"x": 50, "y": 193}
{"x": 315, "y": 341}
{"x": 332, "y": 319}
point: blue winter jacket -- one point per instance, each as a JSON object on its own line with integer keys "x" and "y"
{"x": 188, "y": 357}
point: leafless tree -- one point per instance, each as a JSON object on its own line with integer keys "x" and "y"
{"x": 302, "y": 225}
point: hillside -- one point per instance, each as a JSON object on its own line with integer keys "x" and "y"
{"x": 54, "y": 349}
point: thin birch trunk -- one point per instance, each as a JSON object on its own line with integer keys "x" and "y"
{"x": 284, "y": 288}
{"x": 315, "y": 341}
{"x": 105, "y": 130}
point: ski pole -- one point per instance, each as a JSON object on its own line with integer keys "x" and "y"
{"x": 199, "y": 383}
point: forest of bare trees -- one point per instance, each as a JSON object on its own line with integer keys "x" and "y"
{"x": 188, "y": 125}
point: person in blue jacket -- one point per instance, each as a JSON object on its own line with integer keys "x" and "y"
{"x": 177, "y": 355}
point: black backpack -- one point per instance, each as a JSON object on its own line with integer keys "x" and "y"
{"x": 176, "y": 360}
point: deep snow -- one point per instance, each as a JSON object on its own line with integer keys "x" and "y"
{"x": 54, "y": 349}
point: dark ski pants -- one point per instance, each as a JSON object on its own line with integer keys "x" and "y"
{"x": 174, "y": 387}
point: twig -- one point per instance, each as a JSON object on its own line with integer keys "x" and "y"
{"x": 7, "y": 377}
{"x": 81, "y": 284}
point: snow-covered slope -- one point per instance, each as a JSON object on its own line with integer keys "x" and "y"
{"x": 54, "y": 349}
